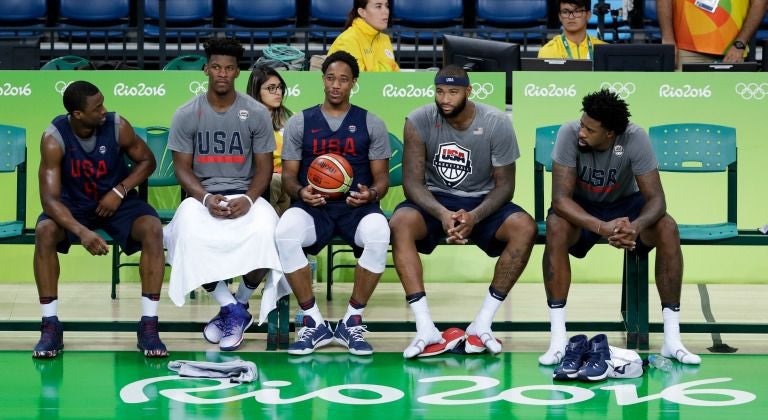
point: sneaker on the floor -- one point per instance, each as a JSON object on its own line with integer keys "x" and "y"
{"x": 212, "y": 330}
{"x": 311, "y": 337}
{"x": 575, "y": 353}
{"x": 236, "y": 323}
{"x": 595, "y": 367}
{"x": 474, "y": 344}
{"x": 350, "y": 335}
{"x": 51, "y": 339}
{"x": 148, "y": 338}
{"x": 450, "y": 339}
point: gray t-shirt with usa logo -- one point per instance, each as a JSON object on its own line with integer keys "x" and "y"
{"x": 605, "y": 176}
{"x": 222, "y": 143}
{"x": 461, "y": 162}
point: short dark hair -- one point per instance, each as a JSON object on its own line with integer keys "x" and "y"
{"x": 607, "y": 107}
{"x": 224, "y": 46}
{"x": 581, "y": 4}
{"x": 453, "y": 70}
{"x": 76, "y": 95}
{"x": 344, "y": 57}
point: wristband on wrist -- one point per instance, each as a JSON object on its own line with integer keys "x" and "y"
{"x": 205, "y": 197}
{"x": 119, "y": 194}
{"x": 248, "y": 198}
{"x": 125, "y": 190}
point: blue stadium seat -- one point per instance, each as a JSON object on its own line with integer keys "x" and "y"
{"x": 183, "y": 18}
{"x": 324, "y": 14}
{"x": 272, "y": 18}
{"x": 23, "y": 14}
{"x": 512, "y": 20}
{"x": 411, "y": 17}
{"x": 94, "y": 19}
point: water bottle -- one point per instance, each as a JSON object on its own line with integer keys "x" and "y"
{"x": 660, "y": 362}
{"x": 313, "y": 269}
{"x": 299, "y": 319}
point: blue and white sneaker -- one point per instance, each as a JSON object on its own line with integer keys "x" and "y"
{"x": 212, "y": 330}
{"x": 311, "y": 337}
{"x": 575, "y": 352}
{"x": 148, "y": 339}
{"x": 595, "y": 367}
{"x": 51, "y": 339}
{"x": 236, "y": 323}
{"x": 350, "y": 335}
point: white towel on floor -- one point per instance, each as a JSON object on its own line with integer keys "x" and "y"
{"x": 237, "y": 370}
{"x": 203, "y": 249}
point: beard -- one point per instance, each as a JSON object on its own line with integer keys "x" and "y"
{"x": 456, "y": 111}
{"x": 584, "y": 149}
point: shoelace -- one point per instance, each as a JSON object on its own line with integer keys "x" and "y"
{"x": 594, "y": 358}
{"x": 149, "y": 333}
{"x": 571, "y": 355}
{"x": 228, "y": 328}
{"x": 306, "y": 333}
{"x": 356, "y": 332}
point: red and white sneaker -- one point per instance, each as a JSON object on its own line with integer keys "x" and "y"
{"x": 451, "y": 337}
{"x": 474, "y": 344}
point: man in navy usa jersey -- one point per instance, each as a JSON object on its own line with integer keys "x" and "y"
{"x": 335, "y": 126}
{"x": 606, "y": 184}
{"x": 85, "y": 184}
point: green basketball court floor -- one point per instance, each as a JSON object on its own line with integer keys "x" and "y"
{"x": 123, "y": 384}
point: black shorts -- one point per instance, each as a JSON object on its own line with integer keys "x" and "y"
{"x": 483, "y": 234}
{"x": 336, "y": 218}
{"x": 629, "y": 206}
{"x": 118, "y": 226}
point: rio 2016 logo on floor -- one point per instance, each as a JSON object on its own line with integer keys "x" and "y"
{"x": 683, "y": 393}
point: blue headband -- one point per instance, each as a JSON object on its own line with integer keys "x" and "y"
{"x": 451, "y": 80}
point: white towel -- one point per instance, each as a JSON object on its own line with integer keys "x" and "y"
{"x": 237, "y": 370}
{"x": 203, "y": 249}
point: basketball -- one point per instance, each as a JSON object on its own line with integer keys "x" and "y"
{"x": 330, "y": 175}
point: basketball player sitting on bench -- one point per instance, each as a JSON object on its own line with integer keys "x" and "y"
{"x": 459, "y": 178}
{"x": 335, "y": 126}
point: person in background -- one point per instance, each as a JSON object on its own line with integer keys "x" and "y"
{"x": 709, "y": 31}
{"x": 364, "y": 36}
{"x": 574, "y": 43}
{"x": 267, "y": 86}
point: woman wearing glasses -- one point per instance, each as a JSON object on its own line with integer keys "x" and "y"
{"x": 364, "y": 36}
{"x": 574, "y": 43}
{"x": 267, "y": 86}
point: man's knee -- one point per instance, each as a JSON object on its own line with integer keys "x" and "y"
{"x": 405, "y": 223}
{"x": 48, "y": 233}
{"x": 519, "y": 225}
{"x": 149, "y": 231}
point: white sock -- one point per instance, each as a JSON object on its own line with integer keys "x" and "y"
{"x": 314, "y": 312}
{"x": 673, "y": 345}
{"x": 484, "y": 318}
{"x": 352, "y": 311}
{"x": 223, "y": 295}
{"x": 424, "y": 322}
{"x": 50, "y": 309}
{"x": 558, "y": 337}
{"x": 243, "y": 292}
{"x": 149, "y": 306}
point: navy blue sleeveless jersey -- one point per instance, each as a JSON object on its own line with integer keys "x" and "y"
{"x": 86, "y": 177}
{"x": 351, "y": 140}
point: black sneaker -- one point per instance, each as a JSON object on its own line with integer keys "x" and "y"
{"x": 51, "y": 339}
{"x": 595, "y": 367}
{"x": 148, "y": 338}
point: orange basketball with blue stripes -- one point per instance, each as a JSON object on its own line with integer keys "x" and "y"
{"x": 330, "y": 175}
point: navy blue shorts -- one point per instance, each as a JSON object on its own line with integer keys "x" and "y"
{"x": 483, "y": 234}
{"x": 336, "y": 218}
{"x": 118, "y": 226}
{"x": 629, "y": 206}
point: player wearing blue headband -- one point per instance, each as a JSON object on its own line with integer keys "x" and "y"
{"x": 459, "y": 179}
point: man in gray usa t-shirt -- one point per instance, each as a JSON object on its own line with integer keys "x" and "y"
{"x": 606, "y": 185}
{"x": 459, "y": 178}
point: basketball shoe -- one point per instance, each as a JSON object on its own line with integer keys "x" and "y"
{"x": 575, "y": 351}
{"x": 51, "y": 339}
{"x": 595, "y": 367}
{"x": 236, "y": 323}
{"x": 212, "y": 331}
{"x": 350, "y": 335}
{"x": 148, "y": 338}
{"x": 311, "y": 337}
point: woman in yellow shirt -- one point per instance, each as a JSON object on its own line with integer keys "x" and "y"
{"x": 267, "y": 86}
{"x": 364, "y": 36}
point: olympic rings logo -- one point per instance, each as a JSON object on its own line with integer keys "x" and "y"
{"x": 624, "y": 90}
{"x": 481, "y": 91}
{"x": 752, "y": 90}
{"x": 198, "y": 88}
{"x": 61, "y": 86}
